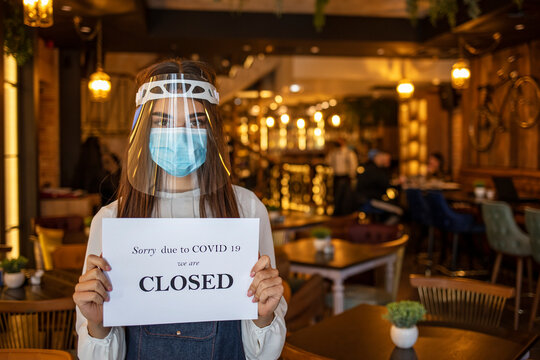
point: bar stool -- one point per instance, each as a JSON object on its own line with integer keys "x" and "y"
{"x": 506, "y": 238}
{"x": 447, "y": 220}
{"x": 532, "y": 223}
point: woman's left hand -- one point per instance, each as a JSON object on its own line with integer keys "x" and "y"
{"x": 267, "y": 289}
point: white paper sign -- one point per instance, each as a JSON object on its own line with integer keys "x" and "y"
{"x": 179, "y": 270}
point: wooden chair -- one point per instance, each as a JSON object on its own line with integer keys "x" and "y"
{"x": 44, "y": 324}
{"x": 291, "y": 352}
{"x": 465, "y": 301}
{"x": 34, "y": 354}
{"x": 48, "y": 241}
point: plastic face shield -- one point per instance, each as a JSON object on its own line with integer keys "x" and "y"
{"x": 173, "y": 146}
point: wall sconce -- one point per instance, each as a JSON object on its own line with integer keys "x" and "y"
{"x": 285, "y": 118}
{"x": 405, "y": 89}
{"x": 300, "y": 123}
{"x": 461, "y": 74}
{"x": 38, "y": 13}
{"x": 318, "y": 116}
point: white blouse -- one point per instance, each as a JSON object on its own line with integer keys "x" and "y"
{"x": 259, "y": 343}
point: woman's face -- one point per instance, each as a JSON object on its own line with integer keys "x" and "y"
{"x": 178, "y": 112}
{"x": 433, "y": 164}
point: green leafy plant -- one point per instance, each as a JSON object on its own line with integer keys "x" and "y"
{"x": 404, "y": 314}
{"x": 321, "y": 232}
{"x": 17, "y": 38}
{"x": 479, "y": 183}
{"x": 272, "y": 208}
{"x": 448, "y": 9}
{"x": 11, "y": 266}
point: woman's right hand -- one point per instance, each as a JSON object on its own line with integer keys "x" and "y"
{"x": 90, "y": 293}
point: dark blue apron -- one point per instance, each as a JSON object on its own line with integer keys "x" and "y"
{"x": 197, "y": 341}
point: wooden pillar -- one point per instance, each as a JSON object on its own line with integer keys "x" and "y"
{"x": 2, "y": 175}
{"x": 70, "y": 114}
{"x": 28, "y": 148}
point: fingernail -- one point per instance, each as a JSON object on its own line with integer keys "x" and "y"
{"x": 254, "y": 299}
{"x": 252, "y": 274}
{"x": 108, "y": 268}
{"x": 250, "y": 292}
{"x": 109, "y": 288}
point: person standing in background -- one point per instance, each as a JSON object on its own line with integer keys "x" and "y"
{"x": 343, "y": 162}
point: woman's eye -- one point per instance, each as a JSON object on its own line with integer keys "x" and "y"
{"x": 160, "y": 122}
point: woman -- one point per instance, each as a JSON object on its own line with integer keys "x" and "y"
{"x": 176, "y": 167}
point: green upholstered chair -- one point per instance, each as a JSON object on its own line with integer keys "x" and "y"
{"x": 506, "y": 238}
{"x": 532, "y": 222}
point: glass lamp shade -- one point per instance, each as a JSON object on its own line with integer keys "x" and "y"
{"x": 38, "y": 13}
{"x": 461, "y": 74}
{"x": 99, "y": 86}
{"x": 405, "y": 89}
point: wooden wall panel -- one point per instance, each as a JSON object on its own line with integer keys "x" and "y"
{"x": 514, "y": 148}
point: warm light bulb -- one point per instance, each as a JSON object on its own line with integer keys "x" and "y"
{"x": 300, "y": 123}
{"x": 38, "y": 13}
{"x": 278, "y": 99}
{"x": 336, "y": 120}
{"x": 317, "y": 132}
{"x": 461, "y": 74}
{"x": 99, "y": 86}
{"x": 318, "y": 116}
{"x": 405, "y": 89}
{"x": 270, "y": 121}
{"x": 294, "y": 88}
{"x": 285, "y": 118}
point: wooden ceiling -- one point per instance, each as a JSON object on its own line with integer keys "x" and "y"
{"x": 217, "y": 30}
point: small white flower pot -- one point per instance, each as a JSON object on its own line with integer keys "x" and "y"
{"x": 404, "y": 338}
{"x": 14, "y": 280}
{"x": 321, "y": 243}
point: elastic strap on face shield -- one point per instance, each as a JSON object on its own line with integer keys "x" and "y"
{"x": 136, "y": 116}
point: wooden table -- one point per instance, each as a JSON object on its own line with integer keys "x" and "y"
{"x": 348, "y": 259}
{"x": 293, "y": 221}
{"x": 361, "y": 333}
{"x": 54, "y": 284}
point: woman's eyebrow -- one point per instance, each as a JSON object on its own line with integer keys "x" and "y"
{"x": 197, "y": 115}
{"x": 161, "y": 114}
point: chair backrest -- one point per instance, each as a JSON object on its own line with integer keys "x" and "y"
{"x": 373, "y": 233}
{"x": 42, "y": 324}
{"x": 502, "y": 232}
{"x": 418, "y": 207}
{"x": 291, "y": 352}
{"x": 532, "y": 223}
{"x": 464, "y": 301}
{"x": 49, "y": 240}
{"x": 34, "y": 354}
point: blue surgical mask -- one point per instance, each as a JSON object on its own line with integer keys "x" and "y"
{"x": 178, "y": 151}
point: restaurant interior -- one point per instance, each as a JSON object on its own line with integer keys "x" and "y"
{"x": 395, "y": 145}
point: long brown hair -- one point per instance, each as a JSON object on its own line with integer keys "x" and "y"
{"x": 221, "y": 202}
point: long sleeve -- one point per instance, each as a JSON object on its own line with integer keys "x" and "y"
{"x": 113, "y": 346}
{"x": 262, "y": 343}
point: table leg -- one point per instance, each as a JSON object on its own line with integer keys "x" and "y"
{"x": 389, "y": 278}
{"x": 338, "y": 290}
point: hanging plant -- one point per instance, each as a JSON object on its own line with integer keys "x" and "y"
{"x": 17, "y": 39}
{"x": 318, "y": 17}
{"x": 439, "y": 9}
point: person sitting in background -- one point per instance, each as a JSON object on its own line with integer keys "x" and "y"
{"x": 373, "y": 180}
{"x": 109, "y": 184}
{"x": 343, "y": 162}
{"x": 435, "y": 166}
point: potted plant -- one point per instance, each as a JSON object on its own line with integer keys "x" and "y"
{"x": 321, "y": 238}
{"x": 404, "y": 315}
{"x": 13, "y": 276}
{"x": 479, "y": 188}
